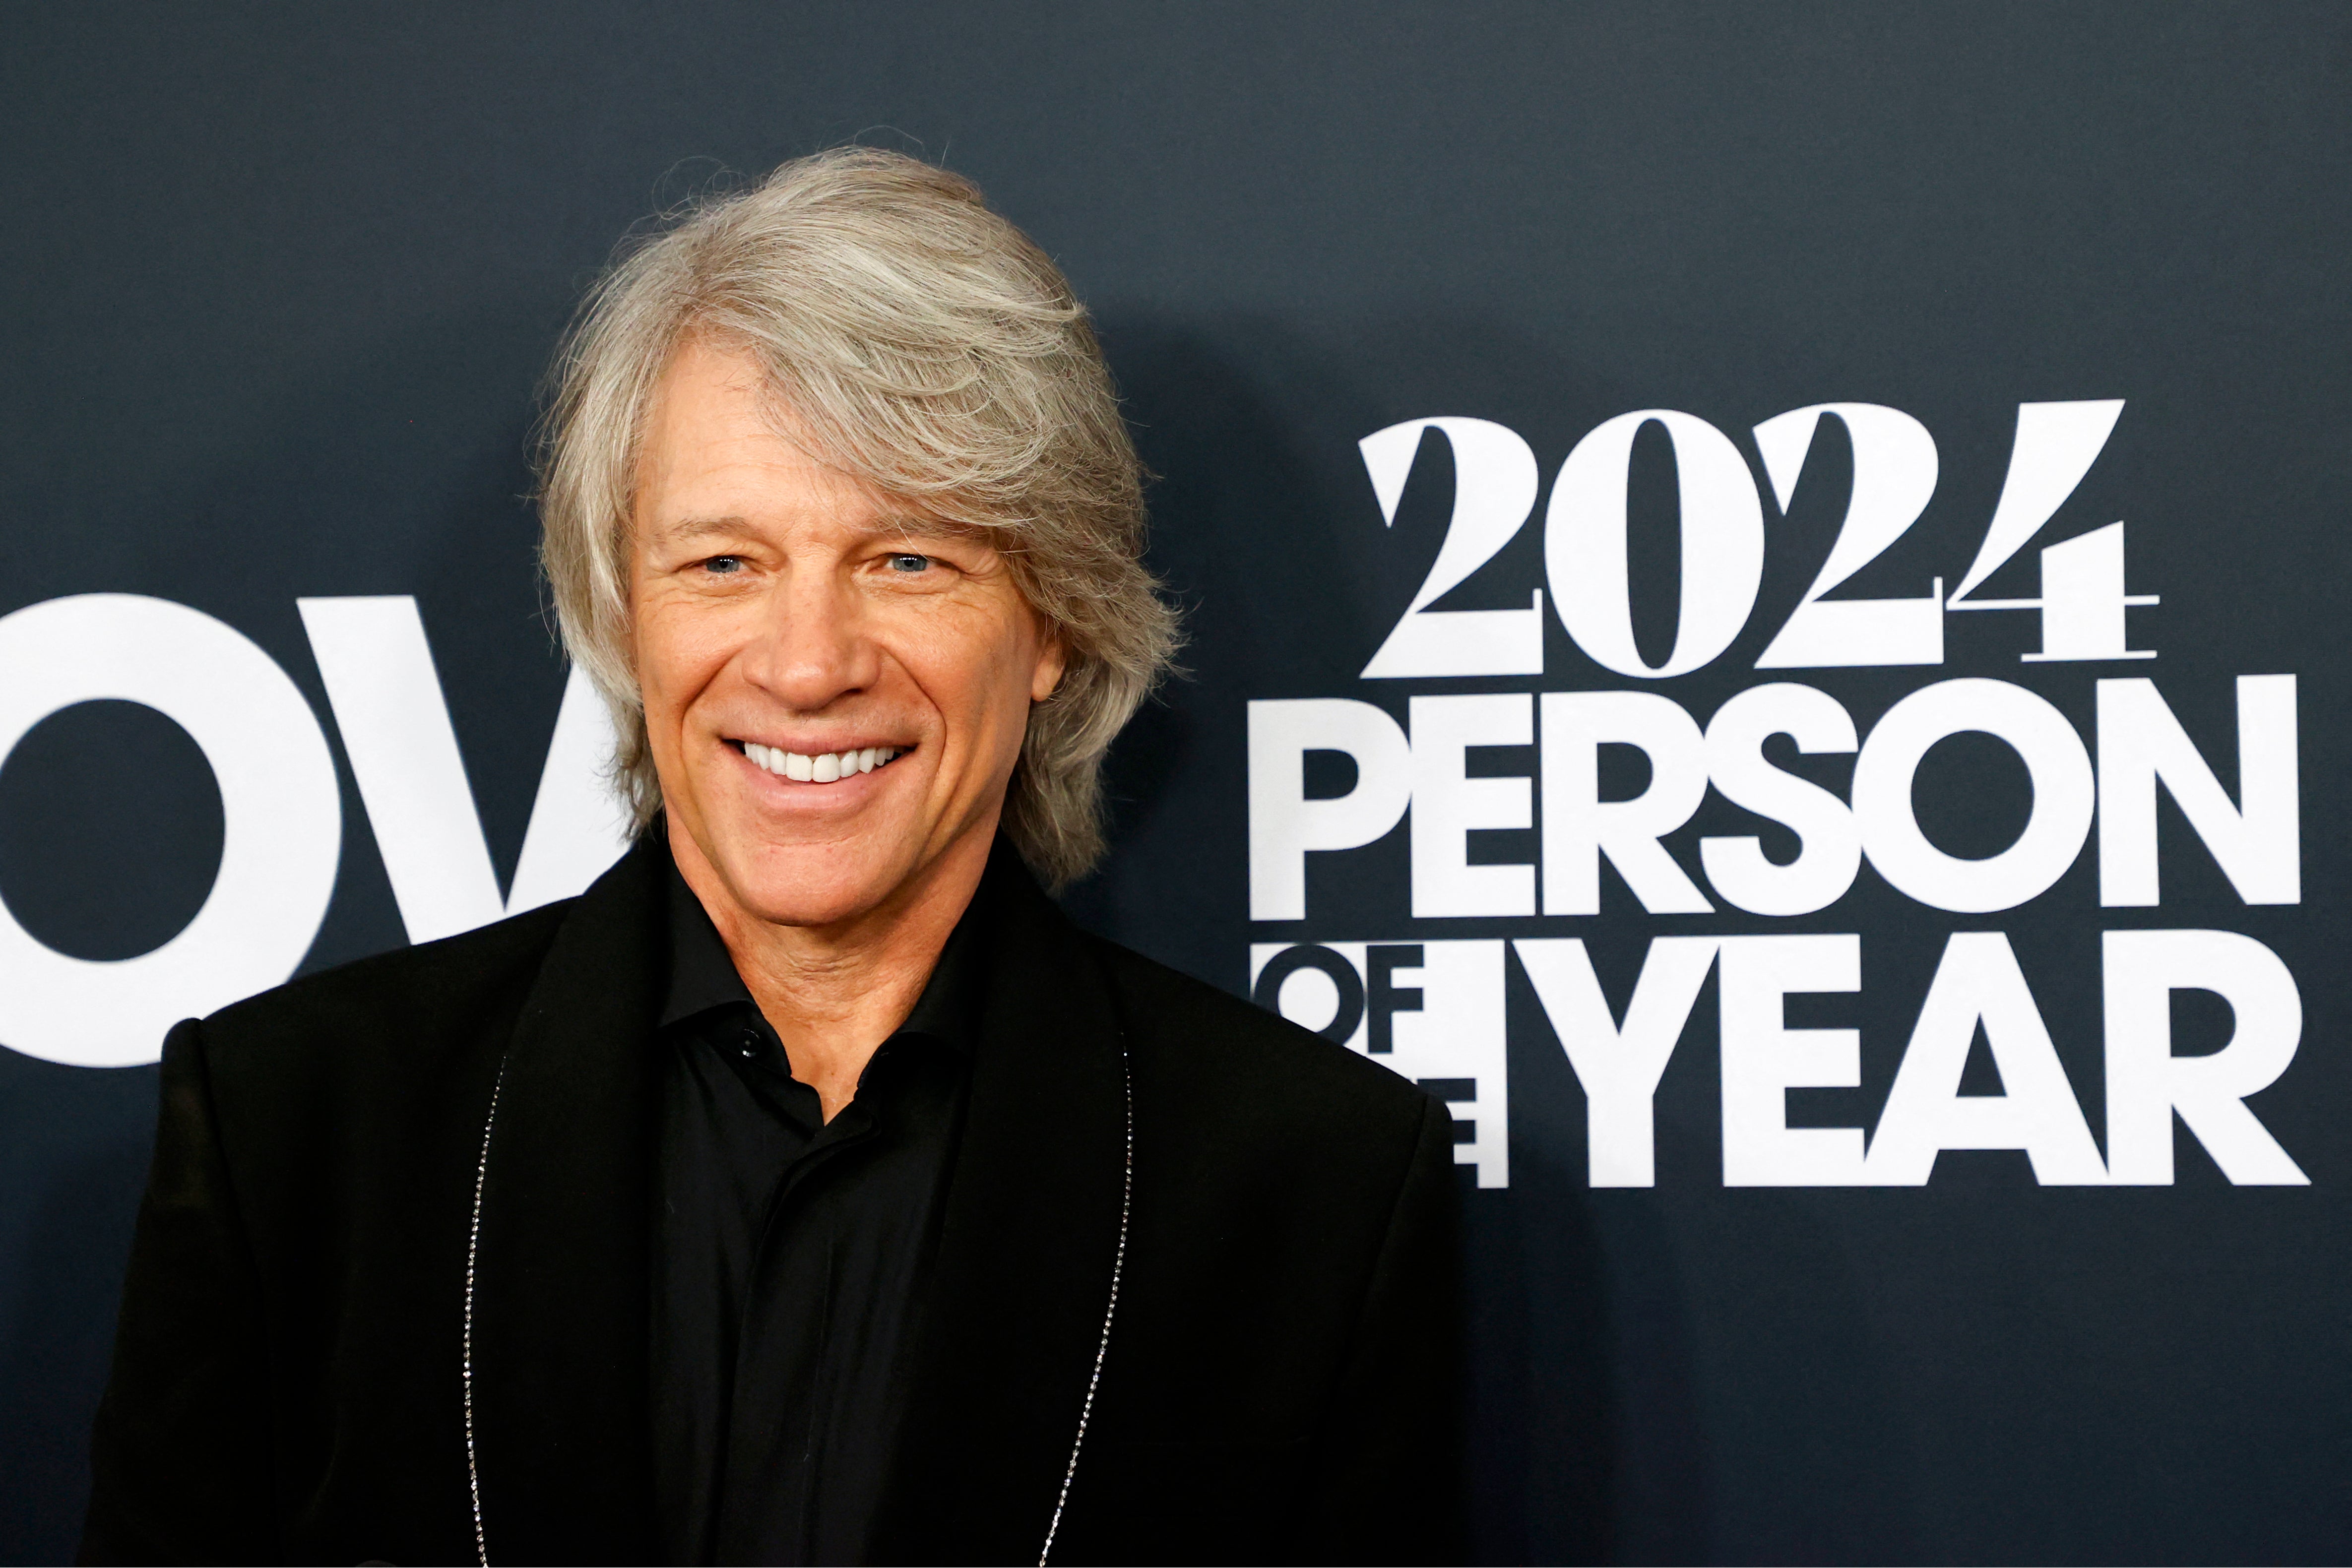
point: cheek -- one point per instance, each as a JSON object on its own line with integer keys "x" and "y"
{"x": 976, "y": 668}
{"x": 678, "y": 648}
{"x": 1012, "y": 673}
{"x": 652, "y": 639}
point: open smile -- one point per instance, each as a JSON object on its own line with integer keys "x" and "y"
{"x": 822, "y": 766}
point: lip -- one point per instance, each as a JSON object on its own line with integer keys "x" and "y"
{"x": 844, "y": 743}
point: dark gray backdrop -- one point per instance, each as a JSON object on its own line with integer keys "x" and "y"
{"x": 280, "y": 282}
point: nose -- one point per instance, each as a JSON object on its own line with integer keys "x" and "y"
{"x": 814, "y": 648}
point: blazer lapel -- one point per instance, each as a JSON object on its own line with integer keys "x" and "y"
{"x": 1020, "y": 1284}
{"x": 1024, "y": 1269}
{"x": 561, "y": 1441}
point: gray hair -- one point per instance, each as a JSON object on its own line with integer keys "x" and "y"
{"x": 924, "y": 345}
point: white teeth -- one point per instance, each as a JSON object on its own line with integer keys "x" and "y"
{"x": 821, "y": 768}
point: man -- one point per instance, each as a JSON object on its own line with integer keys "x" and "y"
{"x": 810, "y": 1190}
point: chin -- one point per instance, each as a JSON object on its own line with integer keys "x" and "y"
{"x": 815, "y": 884}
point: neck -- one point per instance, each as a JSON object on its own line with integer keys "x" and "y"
{"x": 834, "y": 993}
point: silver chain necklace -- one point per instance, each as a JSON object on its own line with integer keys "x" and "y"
{"x": 1094, "y": 1381}
{"x": 1118, "y": 1265}
{"x": 473, "y": 1251}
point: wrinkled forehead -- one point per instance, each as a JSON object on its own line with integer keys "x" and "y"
{"x": 721, "y": 450}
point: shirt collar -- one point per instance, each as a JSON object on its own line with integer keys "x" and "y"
{"x": 702, "y": 975}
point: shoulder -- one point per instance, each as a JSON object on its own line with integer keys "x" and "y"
{"x": 1258, "y": 1068}
{"x": 409, "y": 982}
{"x": 410, "y": 1004}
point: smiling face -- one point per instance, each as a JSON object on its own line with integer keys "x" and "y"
{"x": 836, "y": 690}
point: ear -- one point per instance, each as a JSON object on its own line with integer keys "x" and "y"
{"x": 1046, "y": 677}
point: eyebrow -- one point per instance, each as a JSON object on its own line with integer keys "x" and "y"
{"x": 913, "y": 526}
{"x": 905, "y": 526}
{"x": 700, "y": 528}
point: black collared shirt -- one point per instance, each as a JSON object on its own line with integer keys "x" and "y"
{"x": 790, "y": 1257}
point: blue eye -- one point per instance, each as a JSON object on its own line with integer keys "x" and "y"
{"x": 723, "y": 565}
{"x": 909, "y": 561}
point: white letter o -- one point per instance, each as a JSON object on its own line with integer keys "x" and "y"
{"x": 2063, "y": 794}
{"x": 281, "y": 828}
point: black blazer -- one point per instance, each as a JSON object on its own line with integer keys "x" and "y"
{"x": 289, "y": 1373}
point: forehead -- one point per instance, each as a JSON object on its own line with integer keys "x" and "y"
{"x": 720, "y": 455}
{"x": 714, "y": 433}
